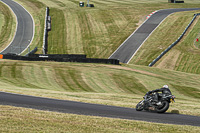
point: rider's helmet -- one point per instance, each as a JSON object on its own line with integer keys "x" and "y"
{"x": 165, "y": 86}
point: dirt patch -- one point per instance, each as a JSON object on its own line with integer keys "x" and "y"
{"x": 169, "y": 60}
{"x": 141, "y": 21}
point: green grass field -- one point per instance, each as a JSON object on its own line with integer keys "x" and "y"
{"x": 31, "y": 120}
{"x": 97, "y": 32}
{"x": 92, "y": 83}
{"x": 1, "y": 20}
{"x": 7, "y": 26}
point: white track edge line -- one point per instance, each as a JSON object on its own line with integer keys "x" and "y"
{"x": 126, "y": 39}
{"x": 136, "y": 30}
{"x": 33, "y": 28}
{"x": 147, "y": 38}
{"x": 150, "y": 34}
{"x": 17, "y": 27}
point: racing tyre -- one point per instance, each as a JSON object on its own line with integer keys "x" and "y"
{"x": 140, "y": 106}
{"x": 163, "y": 108}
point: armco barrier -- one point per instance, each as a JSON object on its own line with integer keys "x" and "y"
{"x": 58, "y": 55}
{"x": 47, "y": 27}
{"x": 93, "y": 60}
{"x": 32, "y": 52}
{"x": 173, "y": 44}
{"x": 70, "y": 58}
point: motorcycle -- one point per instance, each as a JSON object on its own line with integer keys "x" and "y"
{"x": 160, "y": 107}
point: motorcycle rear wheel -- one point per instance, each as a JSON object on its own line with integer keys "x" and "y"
{"x": 140, "y": 106}
{"x": 163, "y": 108}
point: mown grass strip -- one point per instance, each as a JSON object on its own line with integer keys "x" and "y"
{"x": 8, "y": 26}
{"x": 129, "y": 84}
{"x": 104, "y": 84}
{"x": 1, "y": 20}
{"x": 15, "y": 119}
{"x": 188, "y": 91}
{"x": 56, "y": 38}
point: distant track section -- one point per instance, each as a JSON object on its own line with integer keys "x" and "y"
{"x": 131, "y": 45}
{"x": 94, "y": 109}
{"x": 24, "y": 31}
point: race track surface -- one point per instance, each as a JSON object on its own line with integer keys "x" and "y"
{"x": 132, "y": 44}
{"x": 25, "y": 29}
{"x": 80, "y": 108}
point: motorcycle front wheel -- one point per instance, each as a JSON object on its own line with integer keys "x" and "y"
{"x": 140, "y": 106}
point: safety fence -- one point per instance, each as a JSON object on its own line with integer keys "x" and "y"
{"x": 176, "y": 1}
{"x": 60, "y": 58}
{"x": 173, "y": 44}
{"x": 47, "y": 27}
{"x": 71, "y": 56}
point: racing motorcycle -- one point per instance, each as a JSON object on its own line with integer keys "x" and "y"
{"x": 149, "y": 104}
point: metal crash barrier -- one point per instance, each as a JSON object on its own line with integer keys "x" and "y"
{"x": 60, "y": 58}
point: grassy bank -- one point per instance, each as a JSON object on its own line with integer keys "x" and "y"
{"x": 7, "y": 26}
{"x": 97, "y": 31}
{"x": 103, "y": 84}
{"x": 1, "y": 21}
{"x": 43, "y": 121}
{"x": 184, "y": 56}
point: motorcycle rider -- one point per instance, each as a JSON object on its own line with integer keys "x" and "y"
{"x": 165, "y": 90}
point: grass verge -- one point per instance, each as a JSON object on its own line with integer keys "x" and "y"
{"x": 1, "y": 20}
{"x": 8, "y": 26}
{"x": 14, "y": 119}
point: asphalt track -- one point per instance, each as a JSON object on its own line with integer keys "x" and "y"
{"x": 131, "y": 45}
{"x": 24, "y": 31}
{"x": 80, "y": 108}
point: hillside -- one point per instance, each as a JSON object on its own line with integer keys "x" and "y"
{"x": 98, "y": 83}
{"x": 97, "y": 32}
{"x": 184, "y": 56}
